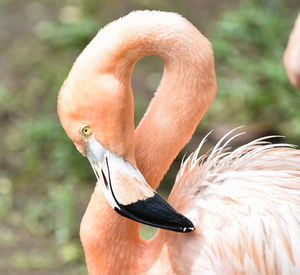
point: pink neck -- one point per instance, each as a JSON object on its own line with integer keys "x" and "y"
{"x": 174, "y": 113}
{"x": 112, "y": 244}
{"x": 188, "y": 86}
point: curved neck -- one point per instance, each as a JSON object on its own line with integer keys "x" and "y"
{"x": 187, "y": 88}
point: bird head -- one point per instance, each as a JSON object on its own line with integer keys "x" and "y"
{"x": 96, "y": 111}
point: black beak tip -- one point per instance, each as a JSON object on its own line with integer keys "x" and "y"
{"x": 188, "y": 226}
{"x": 156, "y": 212}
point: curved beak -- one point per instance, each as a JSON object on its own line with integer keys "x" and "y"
{"x": 128, "y": 193}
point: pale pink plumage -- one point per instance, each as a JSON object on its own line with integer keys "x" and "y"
{"x": 246, "y": 205}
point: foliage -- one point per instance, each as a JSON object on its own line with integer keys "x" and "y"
{"x": 249, "y": 43}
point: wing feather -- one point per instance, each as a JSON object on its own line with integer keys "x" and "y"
{"x": 245, "y": 205}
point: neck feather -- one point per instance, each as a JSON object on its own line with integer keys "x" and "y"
{"x": 187, "y": 88}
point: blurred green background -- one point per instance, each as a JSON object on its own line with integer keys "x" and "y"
{"x": 45, "y": 184}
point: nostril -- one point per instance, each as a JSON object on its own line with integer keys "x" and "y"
{"x": 104, "y": 179}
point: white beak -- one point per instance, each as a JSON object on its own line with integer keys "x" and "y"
{"x": 129, "y": 194}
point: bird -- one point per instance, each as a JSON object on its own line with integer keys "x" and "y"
{"x": 291, "y": 56}
{"x": 229, "y": 212}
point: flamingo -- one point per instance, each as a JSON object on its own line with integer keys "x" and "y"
{"x": 292, "y": 55}
{"x": 230, "y": 212}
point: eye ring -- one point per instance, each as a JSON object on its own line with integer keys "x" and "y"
{"x": 86, "y": 131}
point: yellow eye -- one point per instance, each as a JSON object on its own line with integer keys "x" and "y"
{"x": 86, "y": 131}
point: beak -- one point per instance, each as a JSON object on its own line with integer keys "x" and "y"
{"x": 128, "y": 193}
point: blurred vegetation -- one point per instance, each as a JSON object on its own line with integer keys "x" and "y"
{"x": 44, "y": 182}
{"x": 249, "y": 43}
